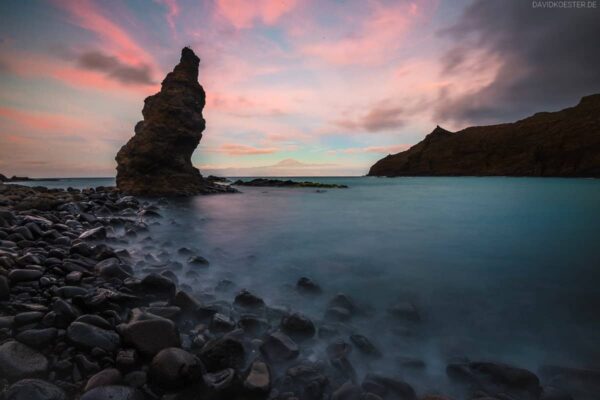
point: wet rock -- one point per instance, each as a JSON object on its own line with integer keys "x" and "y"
{"x": 37, "y": 338}
{"x": 198, "y": 261}
{"x": 306, "y": 379}
{"x": 482, "y": 374}
{"x": 106, "y": 377}
{"x": 363, "y": 344}
{"x": 126, "y": 359}
{"x": 27, "y": 317}
{"x": 174, "y": 367}
{"x": 221, "y": 323}
{"x": 186, "y": 302}
{"x": 307, "y": 285}
{"x": 98, "y": 233}
{"x": 223, "y": 353}
{"x": 111, "y": 268}
{"x": 19, "y": 361}
{"x": 348, "y": 391}
{"x": 338, "y": 314}
{"x": 136, "y": 379}
{"x": 259, "y": 378}
{"x": 90, "y": 336}
{"x": 34, "y": 389}
{"x": 24, "y": 275}
{"x": 67, "y": 292}
{"x": 113, "y": 392}
{"x": 279, "y": 347}
{"x": 343, "y": 301}
{"x": 247, "y": 300}
{"x": 151, "y": 336}
{"x": 298, "y": 326}
{"x": 159, "y": 285}
{"x": 253, "y": 325}
{"x": 328, "y": 331}
{"x": 95, "y": 320}
{"x": 64, "y": 313}
{"x": 552, "y": 393}
{"x": 338, "y": 348}
{"x": 405, "y": 311}
{"x": 4, "y": 288}
{"x": 389, "y": 386}
{"x": 220, "y": 382}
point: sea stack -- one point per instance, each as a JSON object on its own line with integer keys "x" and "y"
{"x": 157, "y": 160}
{"x": 550, "y": 144}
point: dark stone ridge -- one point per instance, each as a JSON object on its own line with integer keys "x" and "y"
{"x": 564, "y": 143}
{"x": 157, "y": 160}
{"x": 264, "y": 182}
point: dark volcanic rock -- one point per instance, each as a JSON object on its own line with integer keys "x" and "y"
{"x": 34, "y": 389}
{"x": 152, "y": 335}
{"x": 298, "y": 326}
{"x": 115, "y": 392}
{"x": 157, "y": 160}
{"x": 90, "y": 336}
{"x": 20, "y": 361}
{"x": 279, "y": 347}
{"x": 174, "y": 367}
{"x": 223, "y": 353}
{"x": 563, "y": 143}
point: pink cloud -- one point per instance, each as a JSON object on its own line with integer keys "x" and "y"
{"x": 375, "y": 38}
{"x": 233, "y": 149}
{"x": 173, "y": 11}
{"x": 86, "y": 14}
{"x": 41, "y": 121}
{"x": 243, "y": 14}
{"x": 28, "y": 65}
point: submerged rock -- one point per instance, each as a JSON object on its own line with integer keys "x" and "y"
{"x": 157, "y": 160}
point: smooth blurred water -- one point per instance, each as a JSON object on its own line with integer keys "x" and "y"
{"x": 506, "y": 269}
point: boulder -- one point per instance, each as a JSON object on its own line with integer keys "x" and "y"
{"x": 34, "y": 389}
{"x": 106, "y": 377}
{"x": 151, "y": 335}
{"x": 298, "y": 326}
{"x": 219, "y": 354}
{"x": 113, "y": 392}
{"x": 259, "y": 378}
{"x": 37, "y": 338}
{"x": 308, "y": 286}
{"x": 247, "y": 300}
{"x": 174, "y": 367}
{"x": 19, "y": 361}
{"x": 279, "y": 347}
{"x": 90, "y": 336}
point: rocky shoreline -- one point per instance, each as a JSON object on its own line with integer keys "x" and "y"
{"x": 82, "y": 317}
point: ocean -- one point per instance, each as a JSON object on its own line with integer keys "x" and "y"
{"x": 502, "y": 269}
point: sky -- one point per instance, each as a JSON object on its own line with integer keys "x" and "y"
{"x": 294, "y": 87}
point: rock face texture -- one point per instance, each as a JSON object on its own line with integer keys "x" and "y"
{"x": 564, "y": 143}
{"x": 157, "y": 159}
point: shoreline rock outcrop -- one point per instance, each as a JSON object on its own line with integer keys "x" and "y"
{"x": 156, "y": 161}
{"x": 548, "y": 144}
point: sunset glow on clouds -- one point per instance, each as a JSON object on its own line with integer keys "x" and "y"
{"x": 332, "y": 86}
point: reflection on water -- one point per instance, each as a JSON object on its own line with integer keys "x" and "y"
{"x": 499, "y": 268}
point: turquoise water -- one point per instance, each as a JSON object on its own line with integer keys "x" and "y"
{"x": 506, "y": 269}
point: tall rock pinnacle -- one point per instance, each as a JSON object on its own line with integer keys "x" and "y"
{"x": 156, "y": 161}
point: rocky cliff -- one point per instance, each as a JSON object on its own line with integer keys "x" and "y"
{"x": 157, "y": 159}
{"x": 564, "y": 143}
